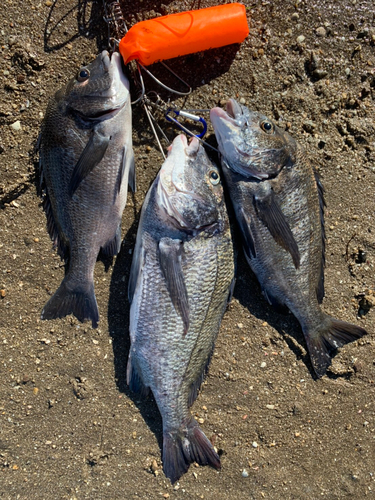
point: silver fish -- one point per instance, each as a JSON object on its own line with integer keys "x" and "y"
{"x": 279, "y": 205}
{"x": 86, "y": 161}
{"x": 180, "y": 280}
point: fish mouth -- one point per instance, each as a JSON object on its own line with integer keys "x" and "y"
{"x": 173, "y": 189}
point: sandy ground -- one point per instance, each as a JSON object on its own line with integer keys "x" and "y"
{"x": 69, "y": 427}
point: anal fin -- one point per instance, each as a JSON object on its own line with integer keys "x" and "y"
{"x": 112, "y": 247}
{"x": 134, "y": 379}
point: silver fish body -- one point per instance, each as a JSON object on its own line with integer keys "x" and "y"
{"x": 86, "y": 158}
{"x": 279, "y": 206}
{"x": 180, "y": 280}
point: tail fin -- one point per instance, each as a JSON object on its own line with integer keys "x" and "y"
{"x": 185, "y": 446}
{"x": 323, "y": 342}
{"x": 71, "y": 299}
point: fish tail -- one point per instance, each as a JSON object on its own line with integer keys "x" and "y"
{"x": 72, "y": 299}
{"x": 187, "y": 445}
{"x": 327, "y": 338}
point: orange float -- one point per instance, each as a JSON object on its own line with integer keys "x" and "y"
{"x": 184, "y": 33}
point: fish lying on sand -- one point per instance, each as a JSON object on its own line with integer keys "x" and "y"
{"x": 279, "y": 205}
{"x": 86, "y": 161}
{"x": 180, "y": 281}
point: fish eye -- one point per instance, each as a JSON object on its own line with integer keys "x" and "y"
{"x": 214, "y": 177}
{"x": 83, "y": 75}
{"x": 267, "y": 127}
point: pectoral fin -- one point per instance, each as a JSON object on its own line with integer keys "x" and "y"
{"x": 92, "y": 154}
{"x": 272, "y": 217}
{"x": 170, "y": 257}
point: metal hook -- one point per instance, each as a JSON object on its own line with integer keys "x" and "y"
{"x": 189, "y": 116}
{"x": 169, "y": 89}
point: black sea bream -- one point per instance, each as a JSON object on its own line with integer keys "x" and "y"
{"x": 86, "y": 157}
{"x": 180, "y": 281}
{"x": 279, "y": 206}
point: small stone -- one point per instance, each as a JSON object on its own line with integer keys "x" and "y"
{"x": 2, "y": 293}
{"x": 295, "y": 16}
{"x": 245, "y": 473}
{"x": 358, "y": 367}
{"x": 154, "y": 466}
{"x": 242, "y": 100}
{"x": 200, "y": 420}
{"x": 309, "y": 126}
{"x": 16, "y": 126}
{"x": 301, "y": 39}
{"x": 35, "y": 391}
{"x": 254, "y": 444}
{"x": 270, "y": 407}
{"x": 347, "y": 71}
{"x": 297, "y": 434}
{"x": 166, "y": 495}
{"x": 48, "y": 3}
{"x": 321, "y": 31}
{"x": 263, "y": 364}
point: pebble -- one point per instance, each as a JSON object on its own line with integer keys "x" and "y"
{"x": 263, "y": 364}
{"x": 2, "y": 293}
{"x": 245, "y": 473}
{"x": 254, "y": 444}
{"x": 242, "y": 100}
{"x": 16, "y": 126}
{"x": 154, "y": 466}
{"x": 321, "y": 31}
{"x": 301, "y": 39}
{"x": 270, "y": 407}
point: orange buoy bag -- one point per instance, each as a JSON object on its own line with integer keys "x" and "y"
{"x": 184, "y": 33}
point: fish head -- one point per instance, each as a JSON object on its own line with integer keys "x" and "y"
{"x": 250, "y": 143}
{"x": 99, "y": 90}
{"x": 189, "y": 191}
